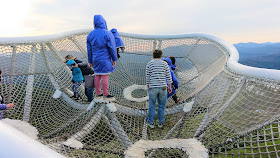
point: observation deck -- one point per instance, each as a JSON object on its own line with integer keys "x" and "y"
{"x": 226, "y": 108}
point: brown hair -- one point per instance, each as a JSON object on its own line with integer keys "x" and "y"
{"x": 173, "y": 60}
{"x": 157, "y": 53}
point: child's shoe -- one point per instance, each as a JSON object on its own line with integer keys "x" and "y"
{"x": 78, "y": 98}
{"x": 151, "y": 125}
{"x": 177, "y": 101}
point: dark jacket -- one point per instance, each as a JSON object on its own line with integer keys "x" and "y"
{"x": 85, "y": 68}
{"x": 101, "y": 47}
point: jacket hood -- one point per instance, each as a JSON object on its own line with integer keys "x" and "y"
{"x": 168, "y": 61}
{"x": 70, "y": 62}
{"x": 99, "y": 22}
{"x": 114, "y": 30}
{"x": 118, "y": 40}
{"x": 115, "y": 33}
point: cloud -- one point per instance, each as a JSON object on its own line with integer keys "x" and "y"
{"x": 229, "y": 19}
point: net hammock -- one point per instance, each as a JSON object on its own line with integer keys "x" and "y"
{"x": 224, "y": 111}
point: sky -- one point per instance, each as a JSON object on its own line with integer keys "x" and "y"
{"x": 235, "y": 21}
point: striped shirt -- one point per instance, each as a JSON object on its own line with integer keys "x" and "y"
{"x": 157, "y": 73}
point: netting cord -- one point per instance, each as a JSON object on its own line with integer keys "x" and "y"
{"x": 118, "y": 130}
{"x": 95, "y": 119}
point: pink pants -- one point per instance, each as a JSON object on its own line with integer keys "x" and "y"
{"x": 105, "y": 84}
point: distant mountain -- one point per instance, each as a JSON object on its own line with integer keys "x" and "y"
{"x": 262, "y": 55}
{"x": 269, "y": 62}
{"x": 256, "y": 45}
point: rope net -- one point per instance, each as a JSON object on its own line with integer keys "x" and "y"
{"x": 232, "y": 114}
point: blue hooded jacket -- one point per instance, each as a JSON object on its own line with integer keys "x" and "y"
{"x": 175, "y": 83}
{"x": 101, "y": 47}
{"x": 76, "y": 72}
{"x": 2, "y": 106}
{"x": 173, "y": 67}
{"x": 119, "y": 42}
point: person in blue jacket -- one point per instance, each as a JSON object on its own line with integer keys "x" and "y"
{"x": 4, "y": 106}
{"x": 77, "y": 78}
{"x": 119, "y": 42}
{"x": 175, "y": 83}
{"x": 102, "y": 55}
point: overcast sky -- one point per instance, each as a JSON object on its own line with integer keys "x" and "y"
{"x": 233, "y": 20}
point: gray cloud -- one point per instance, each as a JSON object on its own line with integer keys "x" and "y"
{"x": 219, "y": 17}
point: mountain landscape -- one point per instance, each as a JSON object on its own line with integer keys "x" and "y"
{"x": 262, "y": 55}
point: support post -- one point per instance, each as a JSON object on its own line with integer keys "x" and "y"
{"x": 29, "y": 87}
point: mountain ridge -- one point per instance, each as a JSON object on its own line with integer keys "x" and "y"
{"x": 262, "y": 55}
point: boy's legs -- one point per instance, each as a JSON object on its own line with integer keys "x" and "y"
{"x": 175, "y": 98}
{"x": 162, "y": 99}
{"x": 153, "y": 93}
{"x": 86, "y": 92}
{"x": 75, "y": 87}
{"x": 89, "y": 93}
{"x": 97, "y": 84}
{"x": 89, "y": 87}
{"x": 105, "y": 84}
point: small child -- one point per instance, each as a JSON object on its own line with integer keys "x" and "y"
{"x": 119, "y": 42}
{"x": 77, "y": 78}
{"x": 175, "y": 83}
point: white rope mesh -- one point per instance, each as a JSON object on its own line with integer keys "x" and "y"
{"x": 230, "y": 113}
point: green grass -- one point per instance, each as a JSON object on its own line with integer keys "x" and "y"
{"x": 260, "y": 145}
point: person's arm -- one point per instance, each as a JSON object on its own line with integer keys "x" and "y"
{"x": 168, "y": 77}
{"x": 89, "y": 51}
{"x": 10, "y": 105}
{"x": 169, "y": 89}
{"x": 111, "y": 44}
{"x": 122, "y": 48}
{"x": 148, "y": 74}
{"x": 0, "y": 75}
{"x": 81, "y": 63}
{"x": 168, "y": 73}
{"x": 3, "y": 106}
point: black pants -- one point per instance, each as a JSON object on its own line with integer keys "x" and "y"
{"x": 174, "y": 97}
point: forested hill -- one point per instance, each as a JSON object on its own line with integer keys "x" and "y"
{"x": 263, "y": 55}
